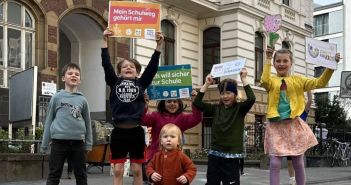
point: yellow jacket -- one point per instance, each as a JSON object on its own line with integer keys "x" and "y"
{"x": 296, "y": 86}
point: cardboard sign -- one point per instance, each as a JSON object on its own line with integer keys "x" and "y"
{"x": 321, "y": 53}
{"x": 345, "y": 84}
{"x": 272, "y": 23}
{"x": 134, "y": 19}
{"x": 171, "y": 82}
{"x": 48, "y": 89}
{"x": 228, "y": 68}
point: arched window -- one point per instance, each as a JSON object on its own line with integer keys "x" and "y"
{"x": 258, "y": 56}
{"x": 167, "y": 56}
{"x": 285, "y": 45}
{"x": 211, "y": 50}
{"x": 16, "y": 40}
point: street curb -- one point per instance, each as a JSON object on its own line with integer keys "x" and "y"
{"x": 329, "y": 180}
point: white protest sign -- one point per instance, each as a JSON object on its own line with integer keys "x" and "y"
{"x": 48, "y": 89}
{"x": 321, "y": 53}
{"x": 228, "y": 68}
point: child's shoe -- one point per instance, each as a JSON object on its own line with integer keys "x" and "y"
{"x": 292, "y": 181}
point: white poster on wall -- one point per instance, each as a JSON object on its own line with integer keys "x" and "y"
{"x": 48, "y": 89}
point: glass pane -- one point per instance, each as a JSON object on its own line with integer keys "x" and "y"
{"x": 318, "y": 3}
{"x": 167, "y": 55}
{"x": 259, "y": 64}
{"x": 321, "y": 24}
{"x": 286, "y": 2}
{"x": 212, "y": 36}
{"x": 258, "y": 40}
{"x": 28, "y": 20}
{"x": 14, "y": 48}
{"x": 336, "y": 19}
{"x": 167, "y": 29}
{"x": 1, "y": 77}
{"x": 285, "y": 45}
{"x": 9, "y": 74}
{"x": 1, "y": 12}
{"x": 170, "y": 53}
{"x": 28, "y": 50}
{"x": 14, "y": 13}
{"x": 1, "y": 46}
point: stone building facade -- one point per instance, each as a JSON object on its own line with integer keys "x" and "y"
{"x": 199, "y": 32}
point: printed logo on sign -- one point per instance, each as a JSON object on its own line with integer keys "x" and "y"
{"x": 129, "y": 31}
{"x": 149, "y": 33}
{"x": 165, "y": 93}
{"x": 127, "y": 91}
{"x": 137, "y": 32}
{"x": 184, "y": 93}
{"x": 174, "y": 94}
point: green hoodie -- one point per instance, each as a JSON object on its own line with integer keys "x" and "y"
{"x": 68, "y": 118}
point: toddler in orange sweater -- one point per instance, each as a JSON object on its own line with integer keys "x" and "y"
{"x": 170, "y": 166}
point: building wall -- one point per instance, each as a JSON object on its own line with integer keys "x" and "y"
{"x": 238, "y": 21}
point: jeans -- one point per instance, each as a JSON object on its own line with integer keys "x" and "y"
{"x": 60, "y": 150}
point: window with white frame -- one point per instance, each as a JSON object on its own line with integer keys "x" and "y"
{"x": 16, "y": 39}
{"x": 321, "y": 24}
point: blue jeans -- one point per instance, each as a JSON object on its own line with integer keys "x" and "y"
{"x": 60, "y": 150}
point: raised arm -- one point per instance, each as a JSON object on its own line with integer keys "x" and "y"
{"x": 247, "y": 104}
{"x": 110, "y": 75}
{"x": 207, "y": 108}
{"x": 152, "y": 67}
{"x": 192, "y": 119}
{"x": 266, "y": 73}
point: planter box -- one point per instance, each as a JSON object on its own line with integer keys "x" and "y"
{"x": 23, "y": 166}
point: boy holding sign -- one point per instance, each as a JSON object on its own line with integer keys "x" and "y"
{"x": 127, "y": 105}
{"x": 227, "y": 128}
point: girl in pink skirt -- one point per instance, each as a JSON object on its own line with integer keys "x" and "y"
{"x": 286, "y": 133}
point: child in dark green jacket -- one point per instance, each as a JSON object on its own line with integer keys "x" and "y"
{"x": 227, "y": 129}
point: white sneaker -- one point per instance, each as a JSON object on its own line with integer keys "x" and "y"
{"x": 292, "y": 181}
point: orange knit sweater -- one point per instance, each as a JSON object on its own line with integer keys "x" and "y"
{"x": 171, "y": 165}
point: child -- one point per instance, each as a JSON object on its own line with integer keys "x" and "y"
{"x": 127, "y": 106}
{"x": 169, "y": 111}
{"x": 227, "y": 129}
{"x": 287, "y": 134}
{"x": 303, "y": 116}
{"x": 68, "y": 127}
{"x": 170, "y": 166}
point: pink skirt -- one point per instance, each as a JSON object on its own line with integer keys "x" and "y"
{"x": 288, "y": 138}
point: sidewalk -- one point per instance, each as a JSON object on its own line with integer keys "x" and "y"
{"x": 254, "y": 176}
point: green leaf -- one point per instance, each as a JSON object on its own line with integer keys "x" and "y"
{"x": 273, "y": 38}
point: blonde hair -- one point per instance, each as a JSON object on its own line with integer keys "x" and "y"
{"x": 166, "y": 128}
